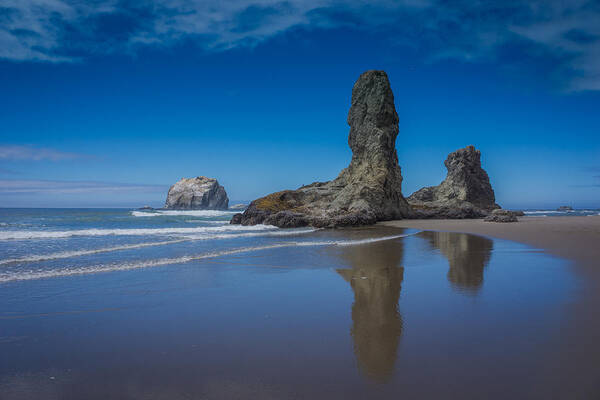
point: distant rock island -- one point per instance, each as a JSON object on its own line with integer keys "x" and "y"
{"x": 367, "y": 191}
{"x": 200, "y": 193}
{"x": 465, "y": 193}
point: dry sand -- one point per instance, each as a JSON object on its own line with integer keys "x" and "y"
{"x": 574, "y": 369}
{"x": 573, "y": 238}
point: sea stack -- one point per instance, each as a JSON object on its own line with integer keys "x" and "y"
{"x": 465, "y": 193}
{"x": 367, "y": 191}
{"x": 200, "y": 193}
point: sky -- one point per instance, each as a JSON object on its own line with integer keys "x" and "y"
{"x": 106, "y": 103}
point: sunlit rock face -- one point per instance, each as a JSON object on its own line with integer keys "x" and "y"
{"x": 376, "y": 280}
{"x": 465, "y": 193}
{"x": 368, "y": 190}
{"x": 197, "y": 194}
{"x": 468, "y": 256}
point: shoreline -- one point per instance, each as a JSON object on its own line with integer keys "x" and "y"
{"x": 574, "y": 238}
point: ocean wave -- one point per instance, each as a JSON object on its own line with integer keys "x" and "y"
{"x": 19, "y": 235}
{"x": 84, "y": 270}
{"x": 189, "y": 213}
{"x": 542, "y": 212}
{"x": 79, "y": 253}
{"x": 560, "y": 213}
{"x": 198, "y": 221}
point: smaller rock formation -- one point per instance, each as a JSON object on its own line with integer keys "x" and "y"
{"x": 198, "y": 193}
{"x": 503, "y": 216}
{"x": 465, "y": 193}
{"x": 146, "y": 208}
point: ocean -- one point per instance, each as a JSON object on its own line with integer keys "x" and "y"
{"x": 561, "y": 213}
{"x": 120, "y": 303}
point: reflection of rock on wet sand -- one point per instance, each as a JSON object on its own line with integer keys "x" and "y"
{"x": 376, "y": 280}
{"x": 467, "y": 255}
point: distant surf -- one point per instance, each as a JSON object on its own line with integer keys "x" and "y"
{"x": 561, "y": 213}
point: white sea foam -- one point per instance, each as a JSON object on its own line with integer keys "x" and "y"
{"x": 192, "y": 213}
{"x": 22, "y": 275}
{"x": 78, "y": 253}
{"x": 542, "y": 212}
{"x": 8, "y": 235}
{"x": 545, "y": 213}
{"x": 197, "y": 221}
{"x": 286, "y": 232}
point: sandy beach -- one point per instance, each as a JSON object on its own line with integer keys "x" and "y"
{"x": 573, "y": 238}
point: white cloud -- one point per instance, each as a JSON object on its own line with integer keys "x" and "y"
{"x": 63, "y": 30}
{"x": 15, "y": 152}
{"x": 9, "y": 186}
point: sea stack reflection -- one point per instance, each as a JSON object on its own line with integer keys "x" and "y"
{"x": 467, "y": 255}
{"x": 376, "y": 279}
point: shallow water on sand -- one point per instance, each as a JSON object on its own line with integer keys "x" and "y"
{"x": 413, "y": 315}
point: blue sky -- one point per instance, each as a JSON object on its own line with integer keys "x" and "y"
{"x": 107, "y": 103}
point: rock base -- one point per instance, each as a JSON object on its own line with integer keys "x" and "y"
{"x": 503, "y": 216}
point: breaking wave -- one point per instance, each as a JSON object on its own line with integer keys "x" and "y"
{"x": 19, "y": 235}
{"x": 78, "y": 253}
{"x": 22, "y": 275}
{"x": 189, "y": 213}
{"x": 547, "y": 213}
{"x": 542, "y": 212}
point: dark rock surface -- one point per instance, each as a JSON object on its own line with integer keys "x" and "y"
{"x": 503, "y": 216}
{"x": 368, "y": 190}
{"x": 197, "y": 194}
{"x": 465, "y": 193}
{"x": 236, "y": 219}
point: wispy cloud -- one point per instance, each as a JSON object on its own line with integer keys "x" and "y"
{"x": 564, "y": 33}
{"x": 9, "y": 186}
{"x": 15, "y": 152}
{"x": 6, "y": 171}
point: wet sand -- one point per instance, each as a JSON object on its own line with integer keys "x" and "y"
{"x": 574, "y": 365}
{"x": 424, "y": 315}
{"x": 573, "y": 238}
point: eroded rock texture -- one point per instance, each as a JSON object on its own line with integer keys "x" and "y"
{"x": 368, "y": 190}
{"x": 465, "y": 193}
{"x": 197, "y": 194}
